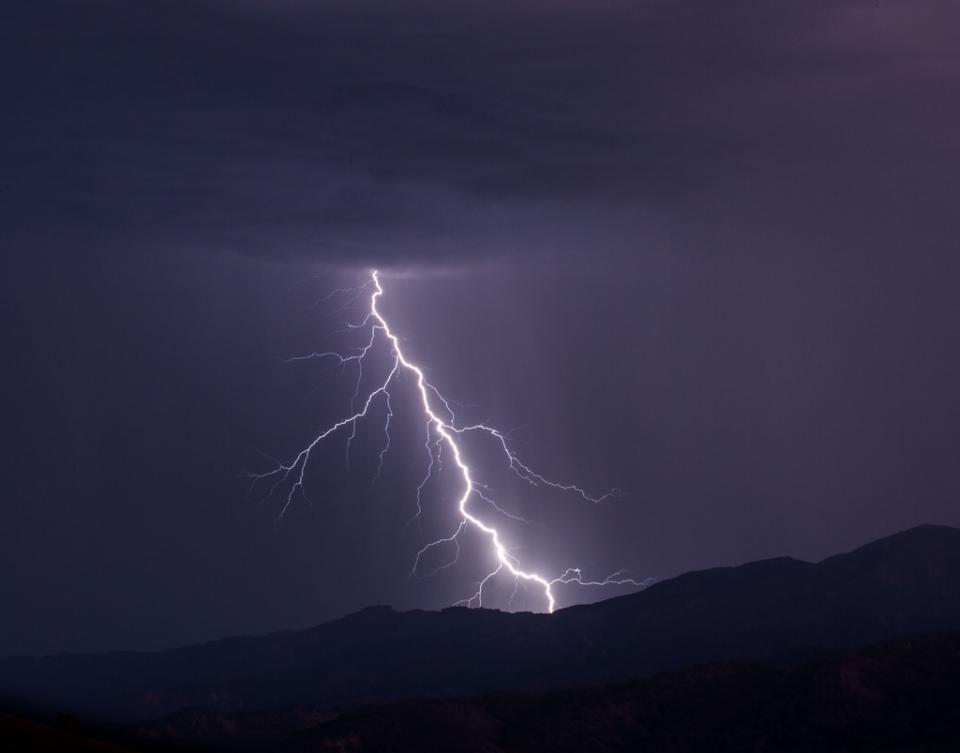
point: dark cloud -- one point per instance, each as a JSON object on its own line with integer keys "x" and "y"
{"x": 363, "y": 132}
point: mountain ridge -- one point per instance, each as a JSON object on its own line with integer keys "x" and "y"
{"x": 895, "y": 697}
{"x": 908, "y": 583}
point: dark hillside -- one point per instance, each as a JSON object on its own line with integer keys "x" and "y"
{"x": 907, "y": 584}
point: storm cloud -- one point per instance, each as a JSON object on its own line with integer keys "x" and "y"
{"x": 357, "y": 133}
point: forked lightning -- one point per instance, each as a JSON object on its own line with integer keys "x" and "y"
{"x": 442, "y": 432}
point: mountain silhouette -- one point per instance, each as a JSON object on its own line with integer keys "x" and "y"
{"x": 897, "y": 697}
{"x": 906, "y": 584}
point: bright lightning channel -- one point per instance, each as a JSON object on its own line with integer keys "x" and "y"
{"x": 441, "y": 432}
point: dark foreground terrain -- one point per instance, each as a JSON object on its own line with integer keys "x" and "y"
{"x": 24, "y": 736}
{"x": 897, "y": 697}
{"x": 903, "y": 696}
{"x": 781, "y": 644}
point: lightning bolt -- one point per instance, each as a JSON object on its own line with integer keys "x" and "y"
{"x": 442, "y": 433}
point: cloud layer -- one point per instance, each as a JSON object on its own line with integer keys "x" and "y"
{"x": 360, "y": 132}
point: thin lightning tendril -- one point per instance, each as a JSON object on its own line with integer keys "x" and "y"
{"x": 441, "y": 433}
{"x": 386, "y": 446}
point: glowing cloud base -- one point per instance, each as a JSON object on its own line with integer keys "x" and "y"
{"x": 442, "y": 431}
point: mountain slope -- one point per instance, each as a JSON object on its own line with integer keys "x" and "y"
{"x": 897, "y": 698}
{"x": 905, "y": 584}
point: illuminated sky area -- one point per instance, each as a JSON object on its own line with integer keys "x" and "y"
{"x": 702, "y": 252}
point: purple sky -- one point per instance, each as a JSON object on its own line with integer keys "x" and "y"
{"x": 703, "y": 251}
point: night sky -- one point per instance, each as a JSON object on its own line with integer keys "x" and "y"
{"x": 703, "y": 251}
